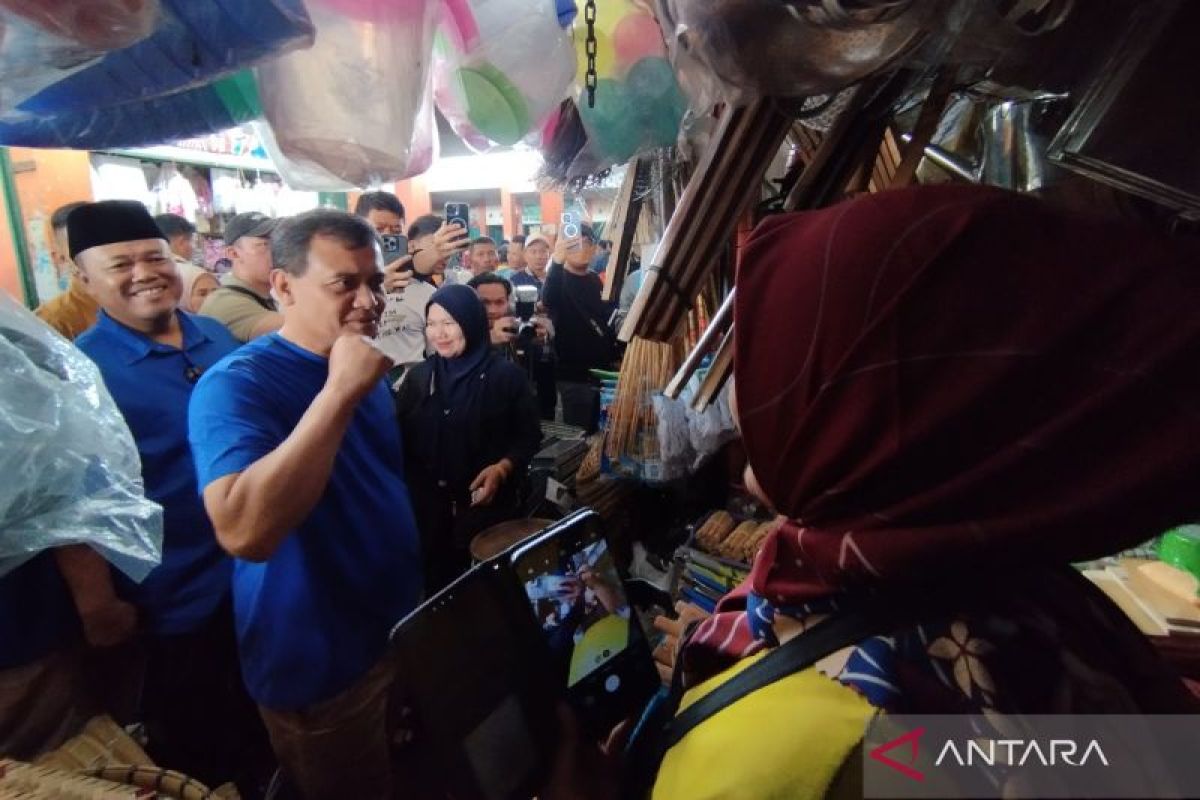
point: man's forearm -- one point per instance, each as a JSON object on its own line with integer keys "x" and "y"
{"x": 257, "y": 508}
{"x": 87, "y": 577}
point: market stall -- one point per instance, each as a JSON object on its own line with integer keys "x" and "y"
{"x": 709, "y": 118}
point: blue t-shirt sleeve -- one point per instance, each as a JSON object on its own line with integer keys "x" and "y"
{"x": 230, "y": 425}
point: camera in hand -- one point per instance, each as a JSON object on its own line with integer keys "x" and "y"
{"x": 526, "y": 330}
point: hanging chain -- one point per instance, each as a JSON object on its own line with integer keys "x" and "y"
{"x": 589, "y": 16}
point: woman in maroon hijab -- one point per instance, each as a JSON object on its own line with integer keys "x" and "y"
{"x": 951, "y": 385}
{"x": 960, "y": 383}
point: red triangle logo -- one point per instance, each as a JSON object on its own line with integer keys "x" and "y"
{"x": 912, "y": 738}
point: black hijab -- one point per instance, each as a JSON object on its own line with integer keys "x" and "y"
{"x": 455, "y": 378}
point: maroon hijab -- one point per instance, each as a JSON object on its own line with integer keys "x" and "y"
{"x": 942, "y": 380}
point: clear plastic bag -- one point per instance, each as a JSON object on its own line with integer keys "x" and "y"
{"x": 759, "y": 48}
{"x": 674, "y": 441}
{"x": 711, "y": 428}
{"x": 487, "y": 85}
{"x": 43, "y": 42}
{"x": 355, "y": 110}
{"x": 71, "y": 469}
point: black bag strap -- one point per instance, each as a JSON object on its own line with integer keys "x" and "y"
{"x": 269, "y": 305}
{"x": 849, "y": 626}
{"x": 800, "y": 653}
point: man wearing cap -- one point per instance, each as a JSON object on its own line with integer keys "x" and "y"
{"x": 300, "y": 461}
{"x": 243, "y": 303}
{"x": 151, "y": 354}
{"x": 531, "y": 271}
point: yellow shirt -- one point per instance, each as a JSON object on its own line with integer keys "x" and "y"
{"x": 786, "y": 741}
{"x": 72, "y": 312}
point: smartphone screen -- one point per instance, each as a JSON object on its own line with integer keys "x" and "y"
{"x": 581, "y": 605}
{"x": 597, "y": 647}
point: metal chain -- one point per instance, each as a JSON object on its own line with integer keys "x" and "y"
{"x": 589, "y": 16}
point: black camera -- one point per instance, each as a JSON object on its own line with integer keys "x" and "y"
{"x": 527, "y": 297}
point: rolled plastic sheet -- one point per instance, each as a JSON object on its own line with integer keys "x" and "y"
{"x": 195, "y": 43}
{"x": 214, "y": 107}
{"x": 71, "y": 470}
{"x": 500, "y": 68}
{"x": 42, "y": 42}
{"x": 638, "y": 102}
{"x": 350, "y": 112}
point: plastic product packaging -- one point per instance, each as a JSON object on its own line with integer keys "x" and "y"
{"x": 344, "y": 113}
{"x": 194, "y": 44}
{"x": 43, "y": 42}
{"x": 764, "y": 47}
{"x": 501, "y": 67}
{"x": 206, "y": 109}
{"x": 71, "y": 470}
{"x": 638, "y": 103}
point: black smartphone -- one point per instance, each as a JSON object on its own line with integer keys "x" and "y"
{"x": 393, "y": 245}
{"x": 598, "y": 650}
{"x": 457, "y": 213}
{"x": 474, "y": 673}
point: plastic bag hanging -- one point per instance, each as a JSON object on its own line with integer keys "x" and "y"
{"x": 72, "y": 471}
{"x": 500, "y": 68}
{"x": 638, "y": 104}
{"x": 343, "y": 114}
{"x": 42, "y": 43}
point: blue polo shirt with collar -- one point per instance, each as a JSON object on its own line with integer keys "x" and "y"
{"x": 152, "y": 384}
{"x": 314, "y": 617}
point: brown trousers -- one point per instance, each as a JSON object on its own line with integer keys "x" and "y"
{"x": 42, "y": 704}
{"x": 341, "y": 747}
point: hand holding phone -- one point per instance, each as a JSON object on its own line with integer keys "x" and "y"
{"x": 398, "y": 275}
{"x": 457, "y": 214}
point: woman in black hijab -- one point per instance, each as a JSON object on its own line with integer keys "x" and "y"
{"x": 470, "y": 428}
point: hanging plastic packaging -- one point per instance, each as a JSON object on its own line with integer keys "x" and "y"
{"x": 72, "y": 474}
{"x": 344, "y": 113}
{"x": 638, "y": 103}
{"x": 501, "y": 67}
{"x": 194, "y": 44}
{"x": 222, "y": 104}
{"x": 42, "y": 43}
{"x": 761, "y": 48}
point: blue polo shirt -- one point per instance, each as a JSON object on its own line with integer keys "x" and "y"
{"x": 314, "y": 618}
{"x": 152, "y": 384}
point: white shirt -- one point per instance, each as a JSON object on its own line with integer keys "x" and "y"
{"x": 402, "y": 328}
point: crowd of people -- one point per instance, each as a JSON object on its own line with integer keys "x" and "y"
{"x": 948, "y": 424}
{"x": 315, "y": 387}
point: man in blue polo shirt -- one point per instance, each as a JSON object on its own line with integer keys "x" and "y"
{"x": 151, "y": 355}
{"x": 299, "y": 458}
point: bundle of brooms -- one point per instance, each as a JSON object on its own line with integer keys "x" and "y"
{"x": 632, "y": 425}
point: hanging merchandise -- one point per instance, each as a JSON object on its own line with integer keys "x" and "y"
{"x": 194, "y": 44}
{"x": 355, "y": 110}
{"x": 207, "y": 109}
{"x": 500, "y": 68}
{"x": 637, "y": 103}
{"x": 174, "y": 194}
{"x": 72, "y": 472}
{"x": 43, "y": 43}
{"x": 758, "y": 48}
